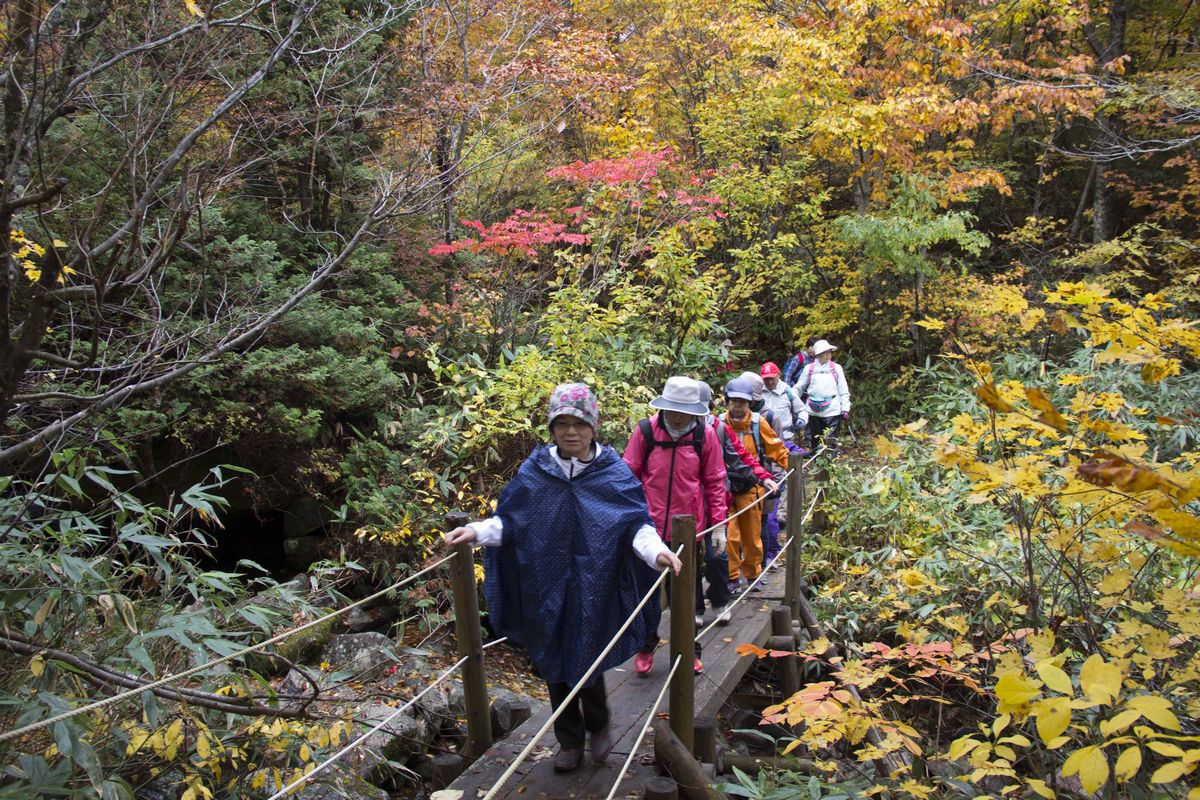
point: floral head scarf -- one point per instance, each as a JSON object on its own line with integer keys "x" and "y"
{"x": 574, "y": 400}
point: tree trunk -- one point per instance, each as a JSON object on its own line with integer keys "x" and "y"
{"x": 1104, "y": 226}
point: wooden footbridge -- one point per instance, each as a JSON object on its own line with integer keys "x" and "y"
{"x": 684, "y": 741}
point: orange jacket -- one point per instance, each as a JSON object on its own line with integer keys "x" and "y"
{"x": 771, "y": 443}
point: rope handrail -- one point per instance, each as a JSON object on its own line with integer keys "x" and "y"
{"x": 380, "y": 725}
{"x": 562, "y": 707}
{"x": 813, "y": 457}
{"x": 761, "y": 575}
{"x": 642, "y": 733}
{"x": 741, "y": 511}
{"x": 116, "y": 698}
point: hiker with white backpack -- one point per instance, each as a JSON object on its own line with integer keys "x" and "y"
{"x": 827, "y": 395}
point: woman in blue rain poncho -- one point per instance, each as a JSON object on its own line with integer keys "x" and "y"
{"x": 566, "y": 564}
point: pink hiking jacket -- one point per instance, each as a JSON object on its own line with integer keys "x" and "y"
{"x": 676, "y": 481}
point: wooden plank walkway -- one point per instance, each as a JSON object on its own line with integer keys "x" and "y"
{"x": 629, "y": 698}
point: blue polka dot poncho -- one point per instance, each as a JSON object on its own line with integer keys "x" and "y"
{"x": 566, "y": 577}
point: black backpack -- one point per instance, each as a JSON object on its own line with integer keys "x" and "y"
{"x": 696, "y": 441}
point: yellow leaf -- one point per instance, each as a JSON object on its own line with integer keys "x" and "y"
{"x": 1116, "y": 581}
{"x": 1168, "y": 773}
{"x": 37, "y": 665}
{"x": 961, "y": 746}
{"x": 1119, "y": 723}
{"x": 1091, "y": 766}
{"x": 1128, "y": 764}
{"x": 1000, "y": 723}
{"x": 45, "y": 610}
{"x": 931, "y": 324}
{"x": 1155, "y": 708}
{"x": 1055, "y": 678}
{"x": 886, "y": 447}
{"x": 1014, "y": 691}
{"x": 1101, "y": 682}
{"x": 1053, "y": 717}
{"x": 1166, "y": 749}
{"x": 1040, "y": 788}
{"x": 991, "y": 397}
{"x": 1050, "y": 416}
{"x": 193, "y": 8}
{"x": 1006, "y": 752}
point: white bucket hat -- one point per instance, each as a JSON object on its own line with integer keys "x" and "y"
{"x": 683, "y": 395}
{"x": 822, "y": 346}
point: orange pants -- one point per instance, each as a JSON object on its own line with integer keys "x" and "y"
{"x": 744, "y": 538}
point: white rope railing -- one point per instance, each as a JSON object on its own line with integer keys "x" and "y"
{"x": 125, "y": 695}
{"x": 562, "y": 707}
{"x": 741, "y": 511}
{"x": 377, "y": 727}
{"x": 642, "y": 733}
{"x": 729, "y": 606}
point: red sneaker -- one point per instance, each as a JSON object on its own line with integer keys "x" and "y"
{"x": 697, "y": 666}
{"x": 643, "y": 663}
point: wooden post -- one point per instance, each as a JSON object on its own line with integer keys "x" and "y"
{"x": 795, "y": 524}
{"x": 470, "y": 643}
{"x": 677, "y": 759}
{"x": 789, "y": 670}
{"x": 705, "y": 744}
{"x": 781, "y": 621}
{"x": 662, "y": 789}
{"x": 683, "y": 630}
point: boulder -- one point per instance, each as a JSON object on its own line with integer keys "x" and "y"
{"x": 365, "y": 654}
{"x": 340, "y": 784}
{"x": 283, "y": 598}
{"x": 375, "y": 618}
{"x": 300, "y": 552}
{"x": 302, "y": 518}
{"x": 444, "y": 703}
{"x": 296, "y": 648}
{"x": 404, "y": 736}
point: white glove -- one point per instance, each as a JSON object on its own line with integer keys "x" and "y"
{"x": 718, "y": 539}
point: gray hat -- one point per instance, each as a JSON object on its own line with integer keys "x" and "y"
{"x": 681, "y": 394}
{"x": 755, "y": 380}
{"x": 740, "y": 389}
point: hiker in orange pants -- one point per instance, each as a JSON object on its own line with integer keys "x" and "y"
{"x": 744, "y": 545}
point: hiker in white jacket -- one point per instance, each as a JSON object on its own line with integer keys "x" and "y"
{"x": 823, "y": 384}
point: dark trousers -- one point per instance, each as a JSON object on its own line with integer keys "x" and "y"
{"x": 587, "y": 713}
{"x": 826, "y": 427}
{"x": 715, "y": 569}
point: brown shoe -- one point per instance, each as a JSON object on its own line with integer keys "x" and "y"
{"x": 602, "y": 745}
{"x": 568, "y": 759}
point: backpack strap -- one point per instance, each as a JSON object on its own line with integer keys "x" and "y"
{"x": 647, "y": 442}
{"x": 791, "y": 398}
{"x": 697, "y": 441}
{"x": 755, "y": 419}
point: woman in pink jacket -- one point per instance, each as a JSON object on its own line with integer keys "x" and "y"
{"x": 680, "y": 462}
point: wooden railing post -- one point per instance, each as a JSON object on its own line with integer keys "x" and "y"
{"x": 792, "y": 576}
{"x": 470, "y": 643}
{"x": 683, "y": 631}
